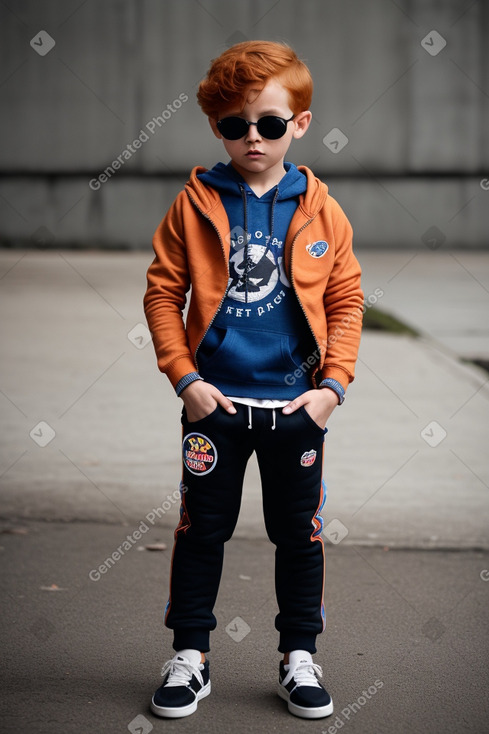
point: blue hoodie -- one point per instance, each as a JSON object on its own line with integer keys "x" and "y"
{"x": 260, "y": 333}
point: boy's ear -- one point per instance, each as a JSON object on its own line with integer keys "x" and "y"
{"x": 213, "y": 124}
{"x": 301, "y": 123}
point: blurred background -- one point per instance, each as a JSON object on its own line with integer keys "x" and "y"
{"x": 100, "y": 129}
{"x": 400, "y": 129}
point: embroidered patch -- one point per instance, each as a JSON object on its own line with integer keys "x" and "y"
{"x": 308, "y": 458}
{"x": 317, "y": 249}
{"x": 199, "y": 453}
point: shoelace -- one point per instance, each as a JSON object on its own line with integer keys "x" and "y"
{"x": 181, "y": 672}
{"x": 307, "y": 674}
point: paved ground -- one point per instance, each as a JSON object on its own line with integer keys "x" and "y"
{"x": 444, "y": 295}
{"x": 409, "y": 628}
{"x": 393, "y": 475}
{"x": 90, "y": 452}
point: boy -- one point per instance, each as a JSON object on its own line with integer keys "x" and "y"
{"x": 266, "y": 353}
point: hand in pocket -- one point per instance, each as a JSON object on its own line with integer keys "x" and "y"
{"x": 201, "y": 399}
{"x": 318, "y": 404}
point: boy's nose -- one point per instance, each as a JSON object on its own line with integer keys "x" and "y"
{"x": 252, "y": 133}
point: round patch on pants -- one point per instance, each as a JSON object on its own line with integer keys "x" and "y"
{"x": 308, "y": 458}
{"x": 199, "y": 453}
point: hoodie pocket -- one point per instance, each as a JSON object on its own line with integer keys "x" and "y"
{"x": 248, "y": 356}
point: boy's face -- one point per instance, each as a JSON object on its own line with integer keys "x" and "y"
{"x": 253, "y": 153}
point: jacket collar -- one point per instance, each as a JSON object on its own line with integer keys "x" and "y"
{"x": 207, "y": 198}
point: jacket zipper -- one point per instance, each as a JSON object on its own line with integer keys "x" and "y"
{"x": 306, "y": 224}
{"x": 206, "y": 216}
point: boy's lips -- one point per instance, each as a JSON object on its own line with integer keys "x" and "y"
{"x": 254, "y": 153}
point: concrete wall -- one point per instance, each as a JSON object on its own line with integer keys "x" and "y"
{"x": 415, "y": 113}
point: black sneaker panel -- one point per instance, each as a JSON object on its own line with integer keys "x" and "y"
{"x": 310, "y": 697}
{"x": 174, "y": 697}
{"x": 306, "y": 696}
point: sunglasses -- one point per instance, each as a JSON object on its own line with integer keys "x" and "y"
{"x": 270, "y": 127}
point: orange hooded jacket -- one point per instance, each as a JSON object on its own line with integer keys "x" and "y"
{"x": 191, "y": 248}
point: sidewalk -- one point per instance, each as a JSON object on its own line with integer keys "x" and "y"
{"x": 90, "y": 452}
{"x": 443, "y": 295}
{"x": 409, "y": 628}
{"x": 406, "y": 447}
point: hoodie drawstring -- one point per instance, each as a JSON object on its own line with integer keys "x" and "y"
{"x": 273, "y": 419}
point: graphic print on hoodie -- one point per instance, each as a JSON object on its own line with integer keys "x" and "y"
{"x": 260, "y": 334}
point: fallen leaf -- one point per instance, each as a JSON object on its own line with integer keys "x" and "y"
{"x": 15, "y": 531}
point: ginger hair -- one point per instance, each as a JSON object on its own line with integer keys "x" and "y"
{"x": 254, "y": 62}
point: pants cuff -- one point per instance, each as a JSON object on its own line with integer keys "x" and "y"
{"x": 290, "y": 640}
{"x": 193, "y": 639}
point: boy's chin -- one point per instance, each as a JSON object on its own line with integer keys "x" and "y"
{"x": 260, "y": 165}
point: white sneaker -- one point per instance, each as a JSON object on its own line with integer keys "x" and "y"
{"x": 186, "y": 681}
{"x": 300, "y": 687}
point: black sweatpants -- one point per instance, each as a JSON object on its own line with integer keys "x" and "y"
{"x": 215, "y": 452}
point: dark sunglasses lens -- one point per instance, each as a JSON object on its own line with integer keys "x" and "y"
{"x": 271, "y": 127}
{"x": 232, "y": 128}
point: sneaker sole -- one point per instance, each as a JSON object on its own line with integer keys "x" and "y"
{"x": 301, "y": 711}
{"x": 179, "y": 712}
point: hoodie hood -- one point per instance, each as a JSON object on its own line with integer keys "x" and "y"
{"x": 204, "y": 185}
{"x": 226, "y": 179}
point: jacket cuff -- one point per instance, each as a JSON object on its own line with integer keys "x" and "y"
{"x": 334, "y": 373}
{"x": 336, "y": 387}
{"x": 186, "y": 381}
{"x": 177, "y": 368}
